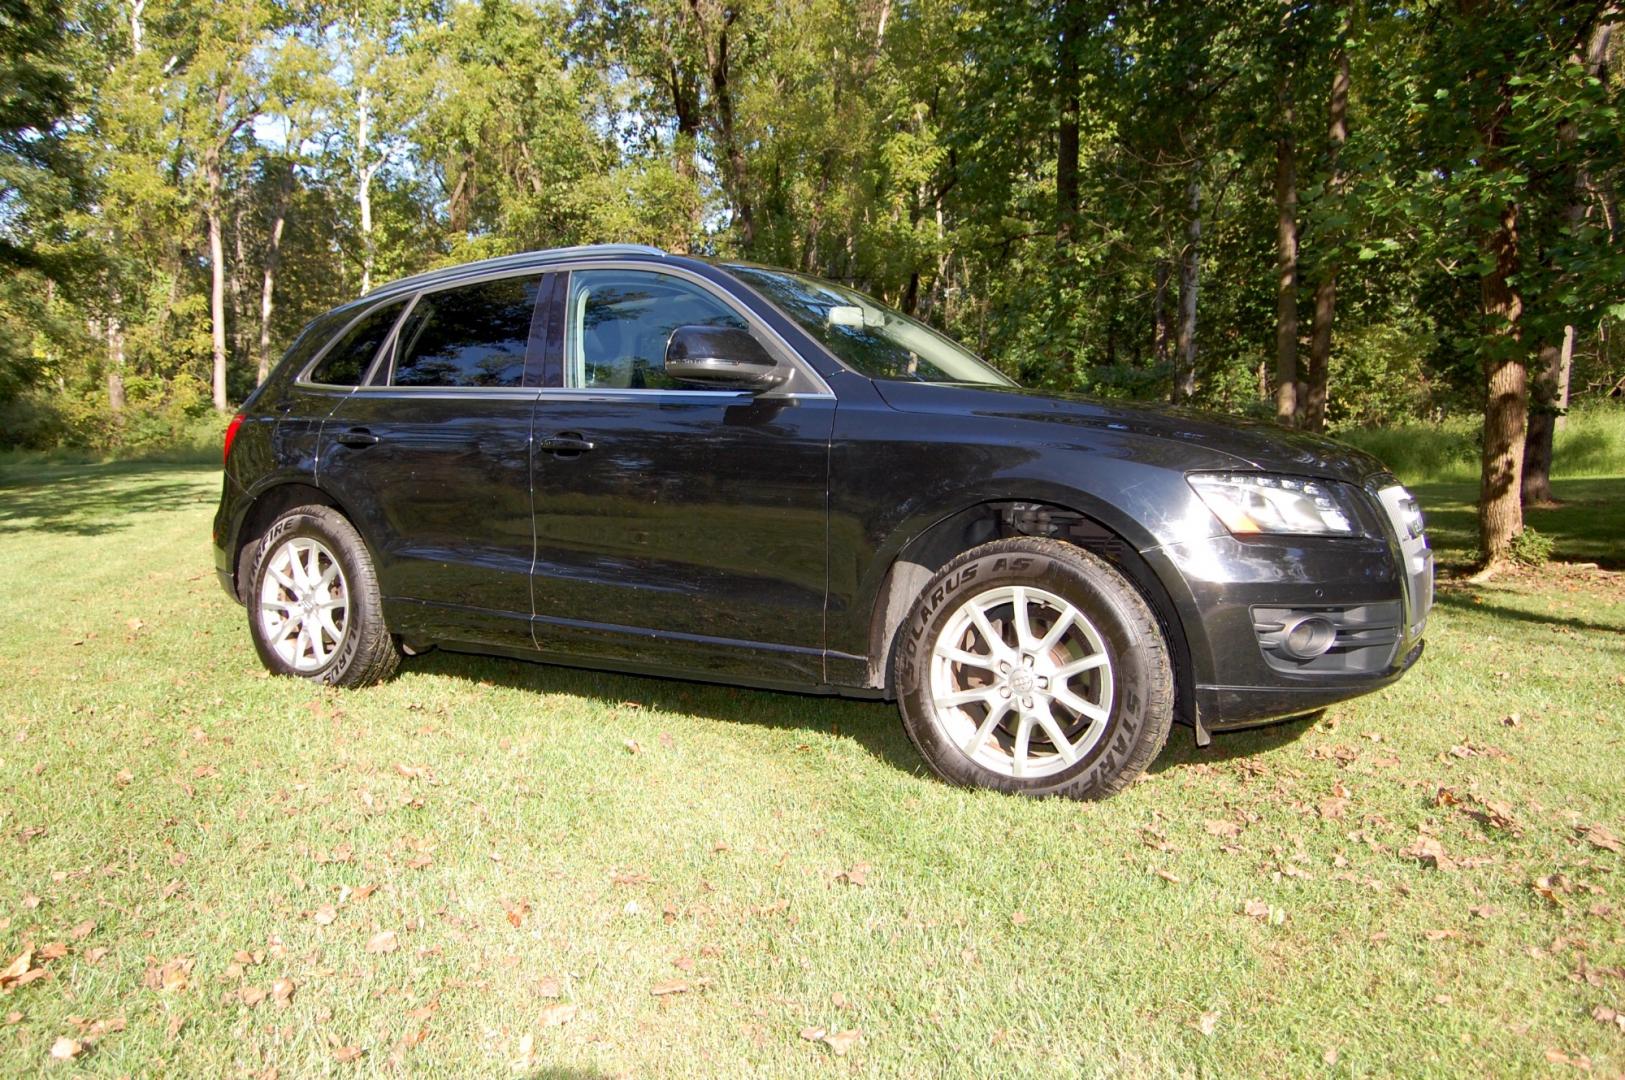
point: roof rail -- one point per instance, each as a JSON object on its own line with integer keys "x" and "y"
{"x": 521, "y": 259}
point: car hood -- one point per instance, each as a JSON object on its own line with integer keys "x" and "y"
{"x": 1248, "y": 443}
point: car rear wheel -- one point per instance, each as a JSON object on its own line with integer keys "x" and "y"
{"x": 1034, "y": 667}
{"x": 313, "y": 604}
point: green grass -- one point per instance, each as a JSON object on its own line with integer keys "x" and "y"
{"x": 1591, "y": 444}
{"x": 160, "y": 789}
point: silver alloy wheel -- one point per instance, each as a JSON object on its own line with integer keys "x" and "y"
{"x": 304, "y": 604}
{"x": 1021, "y": 682}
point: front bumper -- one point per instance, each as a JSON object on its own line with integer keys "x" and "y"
{"x": 1237, "y": 593}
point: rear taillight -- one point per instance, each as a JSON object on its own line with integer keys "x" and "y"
{"x": 231, "y": 436}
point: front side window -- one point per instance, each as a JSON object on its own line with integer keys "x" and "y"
{"x": 346, "y": 363}
{"x": 867, "y": 336}
{"x": 471, "y": 336}
{"x": 620, "y": 321}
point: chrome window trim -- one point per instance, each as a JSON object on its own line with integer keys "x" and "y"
{"x": 759, "y": 326}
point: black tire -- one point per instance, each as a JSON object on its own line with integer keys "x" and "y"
{"x": 365, "y": 652}
{"x": 1140, "y": 713}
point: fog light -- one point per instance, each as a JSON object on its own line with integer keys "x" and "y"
{"x": 1308, "y": 638}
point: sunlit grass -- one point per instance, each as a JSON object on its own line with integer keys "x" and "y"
{"x": 158, "y": 785}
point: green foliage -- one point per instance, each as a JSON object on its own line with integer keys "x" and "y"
{"x": 1018, "y": 175}
{"x": 1531, "y": 548}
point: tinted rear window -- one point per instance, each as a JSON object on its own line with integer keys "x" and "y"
{"x": 470, "y": 336}
{"x": 347, "y": 361}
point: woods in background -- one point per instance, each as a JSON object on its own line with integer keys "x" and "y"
{"x": 1332, "y": 214}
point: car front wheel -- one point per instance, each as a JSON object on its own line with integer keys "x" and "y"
{"x": 1032, "y": 666}
{"x": 313, "y": 603}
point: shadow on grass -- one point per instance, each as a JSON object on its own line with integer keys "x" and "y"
{"x": 91, "y": 500}
{"x": 1473, "y": 600}
{"x": 874, "y": 725}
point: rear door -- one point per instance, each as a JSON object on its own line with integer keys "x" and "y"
{"x": 432, "y": 457}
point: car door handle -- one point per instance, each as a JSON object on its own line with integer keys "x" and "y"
{"x": 566, "y": 444}
{"x": 360, "y": 438}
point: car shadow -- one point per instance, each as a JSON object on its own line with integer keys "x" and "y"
{"x": 93, "y": 500}
{"x": 874, "y": 725}
{"x": 871, "y": 724}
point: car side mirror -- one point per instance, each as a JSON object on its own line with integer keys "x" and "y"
{"x": 723, "y": 357}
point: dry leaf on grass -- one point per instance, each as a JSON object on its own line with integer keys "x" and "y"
{"x": 1257, "y": 909}
{"x": 325, "y": 915}
{"x": 670, "y": 986}
{"x": 1228, "y": 830}
{"x": 857, "y": 875}
{"x": 1207, "y": 1022}
{"x": 66, "y": 1049}
{"x": 83, "y": 930}
{"x": 282, "y": 992}
{"x": 559, "y": 1014}
{"x": 172, "y": 976}
{"x": 1429, "y": 852}
{"x": 347, "y": 1053}
{"x": 549, "y": 987}
{"x": 842, "y": 1041}
{"x": 1600, "y": 837}
{"x": 17, "y": 968}
{"x": 1166, "y": 876}
{"x": 383, "y": 941}
{"x": 1604, "y": 1015}
{"x": 812, "y": 1034}
{"x": 1019, "y": 918}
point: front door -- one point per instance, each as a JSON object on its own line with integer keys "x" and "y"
{"x": 676, "y": 529}
{"x": 433, "y": 454}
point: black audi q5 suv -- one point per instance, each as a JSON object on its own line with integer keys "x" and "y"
{"x": 616, "y": 458}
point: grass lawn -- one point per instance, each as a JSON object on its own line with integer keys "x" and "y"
{"x": 489, "y": 867}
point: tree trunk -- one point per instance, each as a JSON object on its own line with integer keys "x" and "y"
{"x": 273, "y": 260}
{"x": 1066, "y": 106}
{"x": 722, "y": 104}
{"x": 1190, "y": 272}
{"x": 234, "y": 282}
{"x": 1535, "y": 487}
{"x": 1500, "y": 514}
{"x": 1313, "y": 399}
{"x": 1161, "y": 332}
{"x": 364, "y": 172}
{"x": 217, "y": 278}
{"x": 115, "y": 364}
{"x": 1286, "y": 282}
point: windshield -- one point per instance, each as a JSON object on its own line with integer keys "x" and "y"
{"x": 867, "y": 336}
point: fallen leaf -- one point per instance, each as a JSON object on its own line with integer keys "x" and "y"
{"x": 857, "y": 875}
{"x": 172, "y": 976}
{"x": 282, "y": 992}
{"x": 412, "y": 772}
{"x": 83, "y": 930}
{"x": 251, "y": 995}
{"x": 1257, "y": 909}
{"x": 17, "y": 968}
{"x": 1600, "y": 837}
{"x": 632, "y": 746}
{"x": 347, "y": 1053}
{"x": 54, "y": 950}
{"x": 1166, "y": 876}
{"x": 812, "y": 1034}
{"x": 66, "y": 1049}
{"x": 670, "y": 986}
{"x": 549, "y": 987}
{"x": 558, "y": 1014}
{"x": 1207, "y": 1022}
{"x": 1604, "y": 1015}
{"x": 383, "y": 942}
{"x": 325, "y": 915}
{"x": 123, "y": 778}
{"x": 1229, "y": 830}
{"x": 842, "y": 1041}
{"x": 1429, "y": 852}
{"x": 1558, "y": 1057}
{"x": 630, "y": 877}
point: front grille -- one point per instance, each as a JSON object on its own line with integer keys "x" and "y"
{"x": 1366, "y": 637}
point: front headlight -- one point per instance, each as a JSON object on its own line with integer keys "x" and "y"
{"x": 1253, "y": 503}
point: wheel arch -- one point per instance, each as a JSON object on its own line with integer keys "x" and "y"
{"x": 919, "y": 559}
{"x": 263, "y": 509}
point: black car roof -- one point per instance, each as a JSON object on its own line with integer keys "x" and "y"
{"x": 515, "y": 262}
